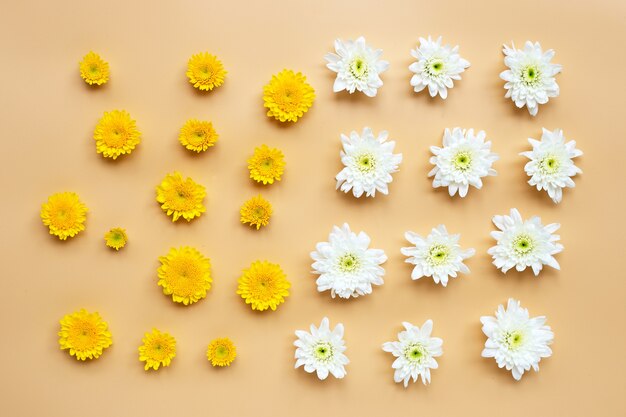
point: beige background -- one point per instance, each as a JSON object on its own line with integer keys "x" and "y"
{"x": 47, "y": 122}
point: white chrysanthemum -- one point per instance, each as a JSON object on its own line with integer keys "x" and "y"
{"x": 464, "y": 159}
{"x": 415, "y": 351}
{"x": 516, "y": 341}
{"x": 322, "y": 350}
{"x": 551, "y": 167}
{"x": 346, "y": 265}
{"x": 369, "y": 162}
{"x": 438, "y": 255}
{"x": 524, "y": 243}
{"x": 436, "y": 67}
{"x": 357, "y": 65}
{"x": 530, "y": 77}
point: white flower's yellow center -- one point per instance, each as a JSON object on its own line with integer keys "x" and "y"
{"x": 549, "y": 164}
{"x": 435, "y": 67}
{"x": 349, "y": 263}
{"x": 366, "y": 163}
{"x": 359, "y": 68}
{"x": 323, "y": 351}
{"x": 523, "y": 244}
{"x": 513, "y": 340}
{"x": 530, "y": 75}
{"x": 415, "y": 352}
{"x": 462, "y": 160}
{"x": 438, "y": 254}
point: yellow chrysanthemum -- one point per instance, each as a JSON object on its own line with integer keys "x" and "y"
{"x": 158, "y": 349}
{"x": 266, "y": 165}
{"x": 93, "y": 69}
{"x": 185, "y": 274}
{"x": 205, "y": 71}
{"x": 116, "y": 238}
{"x": 86, "y": 335}
{"x": 197, "y": 135}
{"x": 263, "y": 285}
{"x": 256, "y": 211}
{"x": 221, "y": 352}
{"x": 181, "y": 197}
{"x": 64, "y": 214}
{"x": 288, "y": 96}
{"x": 116, "y": 134}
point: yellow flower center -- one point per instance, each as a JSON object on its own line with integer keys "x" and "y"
{"x": 359, "y": 68}
{"x": 549, "y": 164}
{"x": 415, "y": 352}
{"x": 116, "y": 137}
{"x": 185, "y": 276}
{"x": 523, "y": 244}
{"x": 531, "y": 75}
{"x": 366, "y": 162}
{"x": 438, "y": 254}
{"x": 514, "y": 339}
{"x": 64, "y": 216}
{"x": 349, "y": 263}
{"x": 83, "y": 335}
{"x": 462, "y": 161}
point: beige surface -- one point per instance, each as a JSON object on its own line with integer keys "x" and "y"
{"x": 47, "y": 122}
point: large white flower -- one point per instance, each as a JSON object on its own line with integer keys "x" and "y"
{"x": 438, "y": 255}
{"x": 436, "y": 67}
{"x": 357, "y": 66}
{"x": 524, "y": 243}
{"x": 530, "y": 77}
{"x": 322, "y": 350}
{"x": 464, "y": 159}
{"x": 516, "y": 341}
{"x": 551, "y": 167}
{"x": 415, "y": 351}
{"x": 346, "y": 265}
{"x": 369, "y": 162}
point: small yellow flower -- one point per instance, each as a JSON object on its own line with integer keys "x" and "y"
{"x": 221, "y": 352}
{"x": 288, "y": 96}
{"x": 158, "y": 349}
{"x": 116, "y": 134}
{"x": 86, "y": 335}
{"x": 197, "y": 135}
{"x": 266, "y": 165}
{"x": 263, "y": 285}
{"x": 256, "y": 211}
{"x": 116, "y": 238}
{"x": 205, "y": 71}
{"x": 93, "y": 69}
{"x": 64, "y": 214}
{"x": 181, "y": 197}
{"x": 185, "y": 274}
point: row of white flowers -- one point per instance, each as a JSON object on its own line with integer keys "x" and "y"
{"x": 515, "y": 340}
{"x": 463, "y": 161}
{"x": 529, "y": 80}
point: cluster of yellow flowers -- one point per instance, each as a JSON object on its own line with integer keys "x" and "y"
{"x": 184, "y": 273}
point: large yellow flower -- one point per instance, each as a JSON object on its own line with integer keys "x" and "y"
{"x": 93, "y": 69}
{"x": 86, "y": 335}
{"x": 158, "y": 349}
{"x": 185, "y": 274}
{"x": 197, "y": 135}
{"x": 256, "y": 211}
{"x": 288, "y": 96}
{"x": 266, "y": 165}
{"x": 181, "y": 197}
{"x": 116, "y": 238}
{"x": 221, "y": 352}
{"x": 205, "y": 71}
{"x": 263, "y": 285}
{"x": 64, "y": 214}
{"x": 116, "y": 134}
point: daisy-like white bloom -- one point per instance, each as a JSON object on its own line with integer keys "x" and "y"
{"x": 524, "y": 243}
{"x": 530, "y": 77}
{"x": 551, "y": 167}
{"x": 358, "y": 67}
{"x": 369, "y": 162}
{"x": 436, "y": 67}
{"x": 321, "y": 350}
{"x": 415, "y": 351}
{"x": 438, "y": 255}
{"x": 516, "y": 341}
{"x": 464, "y": 159}
{"x": 346, "y": 265}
